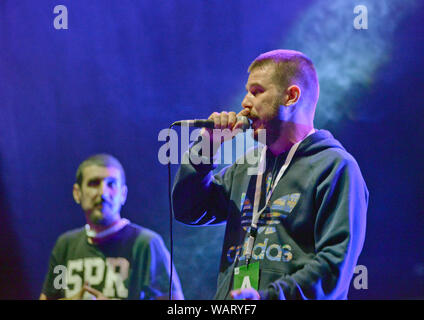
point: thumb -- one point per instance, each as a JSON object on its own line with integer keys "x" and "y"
{"x": 244, "y": 112}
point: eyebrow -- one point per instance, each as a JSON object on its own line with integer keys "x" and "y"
{"x": 100, "y": 178}
{"x": 254, "y": 84}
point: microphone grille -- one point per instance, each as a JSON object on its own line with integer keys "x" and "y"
{"x": 245, "y": 121}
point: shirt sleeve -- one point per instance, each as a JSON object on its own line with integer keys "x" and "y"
{"x": 199, "y": 197}
{"x": 159, "y": 273}
{"x": 341, "y": 200}
{"x": 55, "y": 279}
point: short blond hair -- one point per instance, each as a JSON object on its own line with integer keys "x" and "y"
{"x": 291, "y": 67}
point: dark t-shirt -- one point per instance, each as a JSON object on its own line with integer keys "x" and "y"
{"x": 131, "y": 264}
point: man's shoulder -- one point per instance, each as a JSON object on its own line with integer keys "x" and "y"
{"x": 146, "y": 240}
{"x": 323, "y": 147}
{"x": 69, "y": 240}
{"x": 143, "y": 234}
{"x": 339, "y": 155}
{"x": 335, "y": 162}
{"x": 71, "y": 235}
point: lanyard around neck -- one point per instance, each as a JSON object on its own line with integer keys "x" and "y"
{"x": 256, "y": 213}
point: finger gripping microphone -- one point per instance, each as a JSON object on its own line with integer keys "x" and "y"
{"x": 206, "y": 123}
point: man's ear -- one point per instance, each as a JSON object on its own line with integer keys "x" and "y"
{"x": 124, "y": 193}
{"x": 292, "y": 95}
{"x": 76, "y": 192}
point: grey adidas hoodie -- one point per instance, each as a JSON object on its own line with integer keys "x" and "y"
{"x": 311, "y": 234}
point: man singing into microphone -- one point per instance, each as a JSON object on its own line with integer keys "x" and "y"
{"x": 296, "y": 228}
{"x": 109, "y": 258}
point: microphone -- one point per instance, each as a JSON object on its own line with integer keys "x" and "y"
{"x": 206, "y": 123}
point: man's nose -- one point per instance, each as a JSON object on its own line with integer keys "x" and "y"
{"x": 246, "y": 103}
{"x": 103, "y": 188}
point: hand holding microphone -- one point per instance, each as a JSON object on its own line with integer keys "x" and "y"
{"x": 219, "y": 127}
{"x": 218, "y": 120}
{"x": 229, "y": 124}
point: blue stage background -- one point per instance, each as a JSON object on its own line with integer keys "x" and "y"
{"x": 124, "y": 70}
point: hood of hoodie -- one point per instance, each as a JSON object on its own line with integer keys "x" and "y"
{"x": 317, "y": 142}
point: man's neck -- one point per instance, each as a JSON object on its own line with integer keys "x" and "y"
{"x": 99, "y": 228}
{"x": 290, "y": 134}
{"x": 98, "y": 235}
